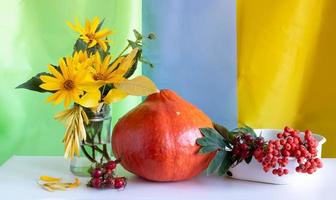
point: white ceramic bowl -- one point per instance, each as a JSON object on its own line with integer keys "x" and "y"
{"x": 254, "y": 172}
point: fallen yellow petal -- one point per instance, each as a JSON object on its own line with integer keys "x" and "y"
{"x": 74, "y": 184}
{"x": 49, "y": 179}
{"x": 51, "y": 184}
{"x": 46, "y": 187}
{"x": 56, "y": 186}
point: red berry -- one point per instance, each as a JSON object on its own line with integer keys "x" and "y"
{"x": 259, "y": 141}
{"x": 285, "y": 171}
{"x": 279, "y": 135}
{"x": 298, "y": 169}
{"x": 248, "y": 138}
{"x": 307, "y": 135}
{"x": 111, "y": 165}
{"x": 288, "y": 147}
{"x": 296, "y": 141}
{"x": 312, "y": 143}
{"x": 235, "y": 151}
{"x": 288, "y": 129}
{"x": 269, "y": 156}
{"x": 310, "y": 170}
{"x": 307, "y": 164}
{"x": 119, "y": 183}
{"x": 96, "y": 182}
{"x": 109, "y": 182}
{"x": 297, "y": 153}
{"x": 244, "y": 146}
{"x": 290, "y": 140}
{"x": 274, "y": 171}
{"x": 280, "y": 172}
{"x": 96, "y": 173}
{"x": 285, "y": 153}
{"x": 293, "y": 133}
{"x": 293, "y": 146}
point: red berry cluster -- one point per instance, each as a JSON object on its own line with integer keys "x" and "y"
{"x": 275, "y": 153}
{"x": 242, "y": 146}
{"x": 103, "y": 176}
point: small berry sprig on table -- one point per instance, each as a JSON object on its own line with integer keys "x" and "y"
{"x": 242, "y": 144}
{"x": 103, "y": 176}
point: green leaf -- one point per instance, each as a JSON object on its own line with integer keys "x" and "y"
{"x": 137, "y": 35}
{"x": 225, "y": 165}
{"x": 223, "y": 131}
{"x": 244, "y": 129}
{"x": 100, "y": 25}
{"x": 248, "y": 159}
{"x": 213, "y": 136}
{"x": 207, "y": 149}
{"x": 250, "y": 130}
{"x": 80, "y": 45}
{"x": 216, "y": 162}
{"x": 203, "y": 141}
{"x": 134, "y": 44}
{"x": 34, "y": 83}
{"x": 145, "y": 61}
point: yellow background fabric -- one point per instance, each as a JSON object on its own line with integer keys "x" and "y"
{"x": 287, "y": 65}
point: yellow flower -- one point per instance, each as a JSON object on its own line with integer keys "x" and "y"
{"x": 71, "y": 85}
{"x": 89, "y": 33}
{"x": 81, "y": 60}
{"x": 102, "y": 71}
{"x": 114, "y": 73}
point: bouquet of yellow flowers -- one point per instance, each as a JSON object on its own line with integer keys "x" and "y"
{"x": 91, "y": 79}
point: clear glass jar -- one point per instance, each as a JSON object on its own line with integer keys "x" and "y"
{"x": 97, "y": 146}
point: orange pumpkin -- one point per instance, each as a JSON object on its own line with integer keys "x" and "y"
{"x": 157, "y": 139}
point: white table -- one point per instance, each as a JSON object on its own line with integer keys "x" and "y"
{"x": 18, "y": 180}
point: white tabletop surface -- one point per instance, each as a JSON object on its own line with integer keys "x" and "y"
{"x": 19, "y": 175}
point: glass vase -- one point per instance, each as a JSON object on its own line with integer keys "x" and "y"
{"x": 97, "y": 146}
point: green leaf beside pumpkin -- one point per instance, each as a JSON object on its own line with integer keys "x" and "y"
{"x": 216, "y": 162}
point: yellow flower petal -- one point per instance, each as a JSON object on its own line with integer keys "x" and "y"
{"x": 67, "y": 99}
{"x": 103, "y": 33}
{"x": 92, "y": 43}
{"x": 54, "y": 96}
{"x": 103, "y": 45}
{"x": 59, "y": 98}
{"x": 73, "y": 27}
{"x": 105, "y": 63}
{"x": 114, "y": 95}
{"x": 90, "y": 99}
{"x": 46, "y": 79}
{"x": 64, "y": 68}
{"x": 51, "y": 86}
{"x": 90, "y": 86}
{"x": 87, "y": 25}
{"x": 54, "y": 72}
{"x": 94, "y": 25}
